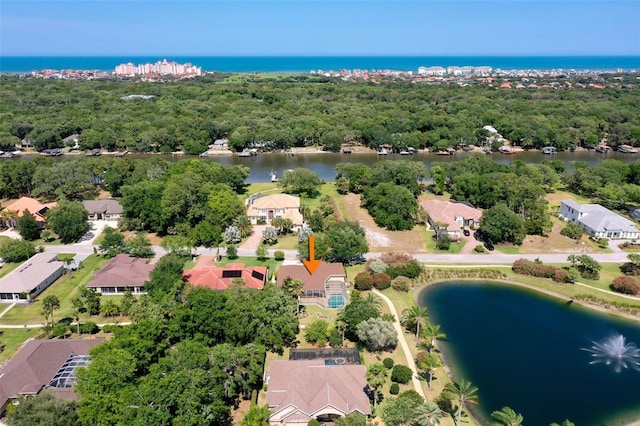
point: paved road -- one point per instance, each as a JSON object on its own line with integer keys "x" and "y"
{"x": 494, "y": 258}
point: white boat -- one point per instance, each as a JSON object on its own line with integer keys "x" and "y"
{"x": 403, "y": 152}
{"x": 383, "y": 151}
{"x": 204, "y": 154}
{"x": 274, "y": 177}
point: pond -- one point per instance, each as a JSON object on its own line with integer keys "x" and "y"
{"x": 534, "y": 354}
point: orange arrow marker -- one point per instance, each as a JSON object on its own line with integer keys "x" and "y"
{"x": 311, "y": 264}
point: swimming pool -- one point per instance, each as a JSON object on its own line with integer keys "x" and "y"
{"x": 335, "y": 301}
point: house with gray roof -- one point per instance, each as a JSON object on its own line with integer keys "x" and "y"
{"x": 299, "y": 391}
{"x": 598, "y": 221}
{"x": 108, "y": 209}
{"x": 44, "y": 365}
{"x": 27, "y": 281}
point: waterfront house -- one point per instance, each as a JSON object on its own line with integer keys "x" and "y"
{"x": 27, "y": 281}
{"x": 208, "y": 275}
{"x": 450, "y": 218}
{"x": 120, "y": 273}
{"x": 108, "y": 209}
{"x": 264, "y": 208}
{"x": 598, "y": 221}
{"x": 301, "y": 391}
{"x": 325, "y": 287}
{"x": 44, "y": 365}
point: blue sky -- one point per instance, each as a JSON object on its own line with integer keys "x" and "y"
{"x": 300, "y": 27}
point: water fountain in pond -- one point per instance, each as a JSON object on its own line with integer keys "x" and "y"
{"x": 615, "y": 351}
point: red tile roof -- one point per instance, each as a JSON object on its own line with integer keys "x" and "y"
{"x": 206, "y": 274}
{"x": 34, "y": 206}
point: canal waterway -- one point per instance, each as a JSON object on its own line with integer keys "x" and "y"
{"x": 532, "y": 353}
{"x": 324, "y": 164}
{"x": 263, "y": 165}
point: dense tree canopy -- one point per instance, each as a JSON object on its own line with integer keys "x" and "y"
{"x": 308, "y": 110}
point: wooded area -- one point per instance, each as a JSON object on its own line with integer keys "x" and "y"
{"x": 278, "y": 114}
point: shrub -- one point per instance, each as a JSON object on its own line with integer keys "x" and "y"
{"x": 59, "y": 330}
{"x": 630, "y": 268}
{"x": 401, "y": 374}
{"x": 110, "y": 328}
{"x": 394, "y": 389}
{"x": 538, "y": 269}
{"x": 625, "y": 285}
{"x": 572, "y": 231}
{"x": 335, "y": 338}
{"x": 388, "y": 363}
{"x": 278, "y": 255}
{"x": 401, "y": 283}
{"x": 317, "y": 332}
{"x": 89, "y": 328}
{"x": 401, "y": 264}
{"x": 377, "y": 266}
{"x": 444, "y": 242}
{"x": 363, "y": 281}
{"x": 270, "y": 235}
{"x": 381, "y": 281}
{"x": 232, "y": 252}
{"x": 313, "y": 422}
{"x": 479, "y": 248}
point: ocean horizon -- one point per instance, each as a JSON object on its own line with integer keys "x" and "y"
{"x": 305, "y": 64}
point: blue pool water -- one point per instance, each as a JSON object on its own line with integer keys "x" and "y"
{"x": 336, "y": 301}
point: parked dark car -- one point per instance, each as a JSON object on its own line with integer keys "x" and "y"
{"x": 489, "y": 246}
{"x": 466, "y": 231}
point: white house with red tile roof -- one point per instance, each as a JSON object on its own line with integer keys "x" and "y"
{"x": 447, "y": 217}
{"x": 206, "y": 274}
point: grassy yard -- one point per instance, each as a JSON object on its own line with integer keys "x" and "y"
{"x": 66, "y": 288}
{"x": 429, "y": 237}
{"x": 286, "y": 242}
{"x": 13, "y": 338}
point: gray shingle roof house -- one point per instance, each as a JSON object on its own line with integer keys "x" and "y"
{"x": 108, "y": 209}
{"x": 27, "y": 281}
{"x": 299, "y": 391}
{"x": 121, "y": 272}
{"x": 44, "y": 364}
{"x": 598, "y": 221}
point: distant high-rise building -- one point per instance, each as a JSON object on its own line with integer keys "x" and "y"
{"x": 163, "y": 67}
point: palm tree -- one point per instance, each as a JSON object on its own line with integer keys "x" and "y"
{"x": 376, "y": 377}
{"x": 432, "y": 333}
{"x": 373, "y": 300}
{"x": 416, "y": 315}
{"x": 244, "y": 225}
{"x": 427, "y": 414}
{"x": 258, "y": 415}
{"x": 507, "y": 417}
{"x": 429, "y": 362}
{"x": 463, "y": 392}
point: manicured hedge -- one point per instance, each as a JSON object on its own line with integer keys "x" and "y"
{"x": 537, "y": 269}
{"x": 363, "y": 281}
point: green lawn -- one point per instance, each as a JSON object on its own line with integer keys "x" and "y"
{"x": 286, "y": 242}
{"x": 66, "y": 288}
{"x": 13, "y": 338}
{"x": 508, "y": 248}
{"x": 428, "y": 237}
